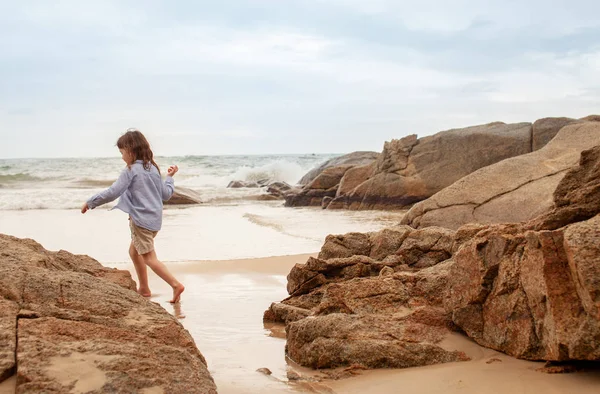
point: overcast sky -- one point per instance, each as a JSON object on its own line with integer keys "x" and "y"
{"x": 285, "y": 76}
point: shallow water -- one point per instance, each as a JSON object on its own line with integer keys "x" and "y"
{"x": 196, "y": 233}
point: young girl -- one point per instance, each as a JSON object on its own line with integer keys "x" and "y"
{"x": 142, "y": 193}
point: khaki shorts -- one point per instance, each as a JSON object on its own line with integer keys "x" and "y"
{"x": 142, "y": 239}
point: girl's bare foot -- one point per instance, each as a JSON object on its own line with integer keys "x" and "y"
{"x": 144, "y": 292}
{"x": 177, "y": 290}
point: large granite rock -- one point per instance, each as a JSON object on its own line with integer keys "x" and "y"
{"x": 410, "y": 169}
{"x": 513, "y": 190}
{"x": 365, "y": 301}
{"x": 351, "y": 160}
{"x": 532, "y": 290}
{"x": 530, "y": 294}
{"x": 67, "y": 324}
{"x": 385, "y": 299}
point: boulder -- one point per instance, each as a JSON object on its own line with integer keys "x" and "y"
{"x": 278, "y": 189}
{"x": 351, "y": 159}
{"x": 372, "y": 341}
{"x": 67, "y": 324}
{"x": 184, "y": 196}
{"x": 545, "y": 129}
{"x": 532, "y": 289}
{"x": 242, "y": 184}
{"x": 591, "y": 118}
{"x": 410, "y": 170}
{"x": 361, "y": 303}
{"x": 513, "y": 190}
{"x": 530, "y": 294}
{"x": 389, "y": 298}
{"x": 324, "y": 185}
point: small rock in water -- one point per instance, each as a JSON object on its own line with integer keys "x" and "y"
{"x": 266, "y": 371}
{"x": 293, "y": 375}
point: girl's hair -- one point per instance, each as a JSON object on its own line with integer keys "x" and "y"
{"x": 137, "y": 145}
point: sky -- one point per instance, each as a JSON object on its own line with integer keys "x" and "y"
{"x": 285, "y": 76}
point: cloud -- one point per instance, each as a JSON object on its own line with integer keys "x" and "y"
{"x": 299, "y": 75}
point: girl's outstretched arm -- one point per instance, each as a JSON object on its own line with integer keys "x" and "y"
{"x": 169, "y": 184}
{"x": 113, "y": 192}
{"x": 168, "y": 187}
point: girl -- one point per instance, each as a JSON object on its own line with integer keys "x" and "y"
{"x": 142, "y": 193}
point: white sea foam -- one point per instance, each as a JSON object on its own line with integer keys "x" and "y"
{"x": 67, "y": 183}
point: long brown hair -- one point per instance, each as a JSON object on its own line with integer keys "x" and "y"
{"x": 137, "y": 145}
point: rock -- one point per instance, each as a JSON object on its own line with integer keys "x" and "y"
{"x": 529, "y": 289}
{"x": 347, "y": 308}
{"x": 324, "y": 185}
{"x": 279, "y": 312}
{"x": 326, "y": 201}
{"x": 410, "y": 170}
{"x": 81, "y": 327}
{"x": 184, "y": 196}
{"x": 545, "y": 129}
{"x": 577, "y": 197}
{"x": 278, "y": 189}
{"x": 382, "y": 322}
{"x": 532, "y": 290}
{"x": 373, "y": 341}
{"x": 8, "y": 337}
{"x": 351, "y": 180}
{"x": 386, "y": 271}
{"x": 242, "y": 184}
{"x": 591, "y": 118}
{"x": 347, "y": 245}
{"x": 513, "y": 190}
{"x": 293, "y": 375}
{"x": 533, "y": 294}
{"x": 265, "y": 371}
{"x": 354, "y": 177}
{"x": 352, "y": 159}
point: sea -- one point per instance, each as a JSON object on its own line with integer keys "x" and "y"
{"x": 41, "y": 199}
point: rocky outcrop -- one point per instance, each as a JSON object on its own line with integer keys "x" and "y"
{"x": 513, "y": 190}
{"x": 353, "y": 159}
{"x": 184, "y": 196}
{"x": 67, "y": 324}
{"x": 532, "y": 290}
{"x": 410, "y": 169}
{"x": 365, "y": 301}
{"x": 530, "y": 294}
{"x": 387, "y": 299}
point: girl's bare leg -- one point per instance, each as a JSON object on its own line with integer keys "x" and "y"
{"x": 141, "y": 270}
{"x": 161, "y": 270}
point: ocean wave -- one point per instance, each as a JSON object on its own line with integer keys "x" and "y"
{"x": 93, "y": 183}
{"x": 280, "y": 170}
{"x": 20, "y": 177}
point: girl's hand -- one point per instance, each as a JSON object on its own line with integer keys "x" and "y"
{"x": 172, "y": 170}
{"x": 84, "y": 208}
